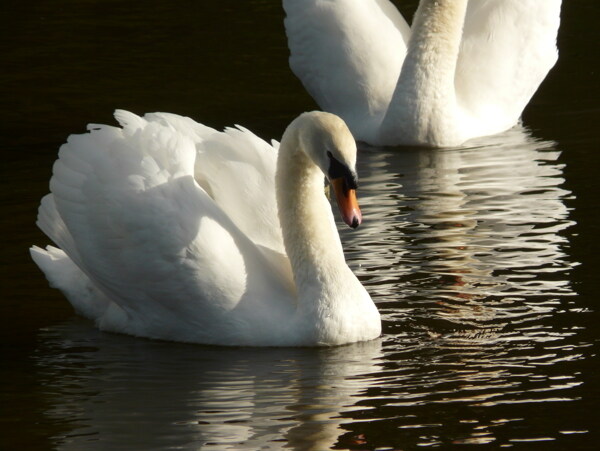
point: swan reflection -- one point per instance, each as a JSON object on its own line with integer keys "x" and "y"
{"x": 465, "y": 253}
{"x": 117, "y": 392}
{"x": 461, "y": 226}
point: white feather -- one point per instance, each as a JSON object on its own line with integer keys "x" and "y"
{"x": 148, "y": 250}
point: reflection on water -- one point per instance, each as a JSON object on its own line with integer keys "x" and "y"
{"x": 465, "y": 253}
{"x": 469, "y": 233}
{"x": 118, "y": 391}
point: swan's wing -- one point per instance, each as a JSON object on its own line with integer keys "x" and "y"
{"x": 237, "y": 169}
{"x": 133, "y": 219}
{"x": 508, "y": 47}
{"x": 348, "y": 55}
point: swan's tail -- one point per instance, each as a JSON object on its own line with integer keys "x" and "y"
{"x": 66, "y": 276}
{"x": 63, "y": 271}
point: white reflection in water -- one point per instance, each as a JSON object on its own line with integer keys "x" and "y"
{"x": 116, "y": 392}
{"x": 475, "y": 230}
{"x": 464, "y": 251}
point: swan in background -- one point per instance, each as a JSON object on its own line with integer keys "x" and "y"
{"x": 169, "y": 229}
{"x": 464, "y": 68}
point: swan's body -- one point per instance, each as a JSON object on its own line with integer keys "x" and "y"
{"x": 169, "y": 229}
{"x": 464, "y": 69}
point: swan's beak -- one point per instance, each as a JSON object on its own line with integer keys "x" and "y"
{"x": 347, "y": 203}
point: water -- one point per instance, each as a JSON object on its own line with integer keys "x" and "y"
{"x": 482, "y": 260}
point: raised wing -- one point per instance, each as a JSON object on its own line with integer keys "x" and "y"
{"x": 126, "y": 208}
{"x": 348, "y": 54}
{"x": 508, "y": 47}
{"x": 237, "y": 169}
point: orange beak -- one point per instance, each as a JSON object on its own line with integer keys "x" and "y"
{"x": 347, "y": 203}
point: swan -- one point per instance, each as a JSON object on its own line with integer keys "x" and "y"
{"x": 464, "y": 69}
{"x": 169, "y": 229}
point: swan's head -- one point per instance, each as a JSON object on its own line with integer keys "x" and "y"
{"x": 327, "y": 140}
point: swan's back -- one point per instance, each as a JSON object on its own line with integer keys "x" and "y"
{"x": 156, "y": 254}
{"x": 236, "y": 168}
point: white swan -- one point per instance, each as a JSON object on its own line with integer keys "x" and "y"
{"x": 464, "y": 69}
{"x": 169, "y": 229}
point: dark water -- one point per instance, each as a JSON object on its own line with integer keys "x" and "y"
{"x": 482, "y": 260}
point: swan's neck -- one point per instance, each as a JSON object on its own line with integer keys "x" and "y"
{"x": 424, "y": 101}
{"x": 309, "y": 233}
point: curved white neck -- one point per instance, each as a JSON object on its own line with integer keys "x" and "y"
{"x": 309, "y": 233}
{"x": 426, "y": 89}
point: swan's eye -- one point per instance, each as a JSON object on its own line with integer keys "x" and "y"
{"x": 339, "y": 170}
